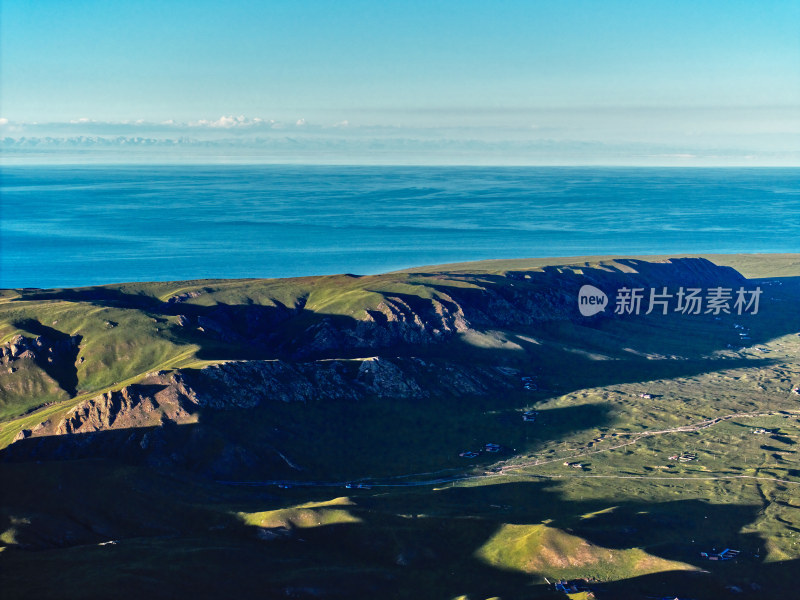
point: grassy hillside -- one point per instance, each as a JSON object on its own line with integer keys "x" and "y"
{"x": 127, "y": 330}
{"x": 656, "y": 437}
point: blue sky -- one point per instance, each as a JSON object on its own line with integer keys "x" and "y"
{"x": 681, "y": 76}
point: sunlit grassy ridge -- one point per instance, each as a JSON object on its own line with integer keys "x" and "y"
{"x": 125, "y": 332}
{"x": 629, "y": 515}
{"x": 310, "y": 514}
{"x": 542, "y": 549}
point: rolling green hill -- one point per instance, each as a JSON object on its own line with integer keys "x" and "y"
{"x": 303, "y": 437}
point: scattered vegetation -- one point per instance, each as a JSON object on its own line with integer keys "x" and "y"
{"x": 370, "y": 497}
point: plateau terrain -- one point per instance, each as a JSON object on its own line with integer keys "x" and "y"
{"x": 451, "y": 432}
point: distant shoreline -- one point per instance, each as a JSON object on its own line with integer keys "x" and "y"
{"x": 227, "y": 162}
{"x": 752, "y": 266}
{"x": 67, "y": 227}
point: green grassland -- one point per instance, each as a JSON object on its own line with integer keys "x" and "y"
{"x": 431, "y": 524}
{"x": 126, "y": 331}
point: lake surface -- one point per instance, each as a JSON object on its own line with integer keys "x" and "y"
{"x": 72, "y": 226}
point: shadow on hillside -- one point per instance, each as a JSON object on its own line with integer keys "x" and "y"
{"x": 404, "y": 544}
{"x": 533, "y": 309}
{"x": 418, "y": 544}
{"x": 518, "y": 300}
{"x": 320, "y": 442}
{"x": 522, "y": 305}
{"x": 431, "y": 543}
{"x": 61, "y": 362}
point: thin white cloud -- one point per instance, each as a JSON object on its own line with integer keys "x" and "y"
{"x": 227, "y": 122}
{"x": 548, "y": 138}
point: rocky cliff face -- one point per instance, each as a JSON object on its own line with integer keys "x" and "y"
{"x": 330, "y": 358}
{"x": 42, "y": 367}
{"x": 148, "y": 412}
{"x": 456, "y": 304}
{"x": 42, "y": 350}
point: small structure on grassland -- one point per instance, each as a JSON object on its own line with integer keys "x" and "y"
{"x": 685, "y": 457}
{"x": 727, "y": 554}
{"x": 529, "y": 416}
{"x": 575, "y": 589}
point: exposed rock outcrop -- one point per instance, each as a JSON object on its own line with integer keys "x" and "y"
{"x": 320, "y": 357}
{"x": 41, "y": 349}
{"x": 53, "y": 352}
{"x": 455, "y": 303}
{"x": 132, "y": 406}
{"x": 143, "y": 421}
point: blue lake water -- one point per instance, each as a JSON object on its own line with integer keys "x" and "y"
{"x": 70, "y": 226}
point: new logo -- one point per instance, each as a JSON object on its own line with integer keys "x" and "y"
{"x": 591, "y": 300}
